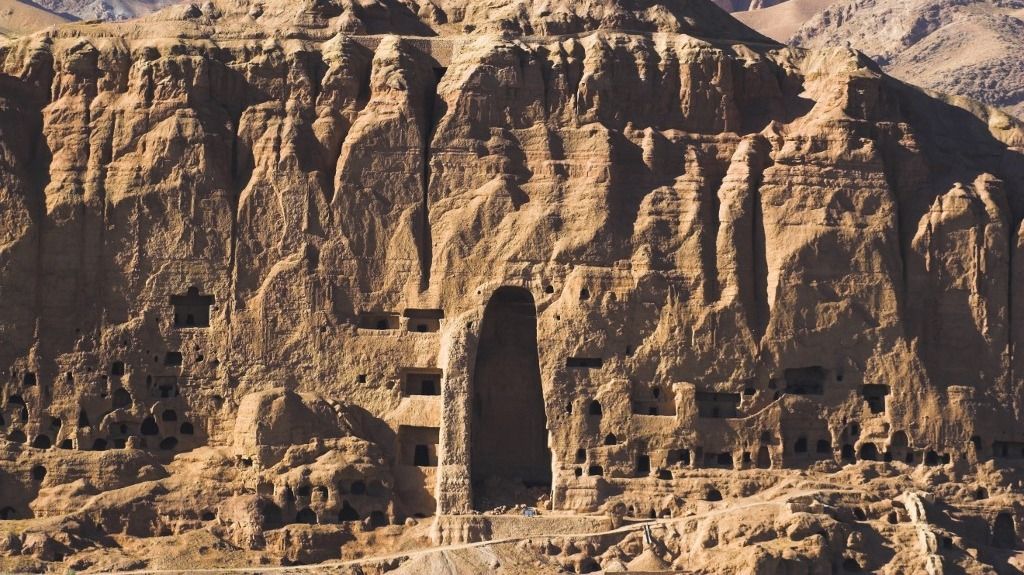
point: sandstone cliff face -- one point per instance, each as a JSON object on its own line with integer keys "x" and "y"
{"x": 266, "y": 246}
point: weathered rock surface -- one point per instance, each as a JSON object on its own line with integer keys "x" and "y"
{"x": 968, "y": 48}
{"x": 18, "y": 18}
{"x": 105, "y": 9}
{"x": 286, "y": 284}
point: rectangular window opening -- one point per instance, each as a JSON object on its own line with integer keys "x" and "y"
{"x": 584, "y": 362}
{"x": 417, "y": 381}
{"x": 717, "y": 405}
{"x": 381, "y": 321}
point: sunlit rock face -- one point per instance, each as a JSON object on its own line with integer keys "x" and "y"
{"x": 298, "y": 283}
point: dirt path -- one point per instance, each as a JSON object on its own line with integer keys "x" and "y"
{"x": 653, "y": 523}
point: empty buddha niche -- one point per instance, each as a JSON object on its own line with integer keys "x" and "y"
{"x": 510, "y": 458}
{"x": 192, "y": 309}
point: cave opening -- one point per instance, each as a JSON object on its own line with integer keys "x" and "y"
{"x": 347, "y": 513}
{"x": 510, "y": 460}
{"x": 192, "y": 309}
{"x": 1004, "y": 532}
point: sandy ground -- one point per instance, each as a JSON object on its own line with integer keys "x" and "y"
{"x": 18, "y": 18}
{"x": 781, "y": 21}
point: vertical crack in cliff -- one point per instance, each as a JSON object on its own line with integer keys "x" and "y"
{"x": 235, "y": 104}
{"x": 40, "y": 174}
{"x": 40, "y": 157}
{"x": 149, "y": 87}
{"x": 712, "y": 205}
{"x": 1011, "y": 261}
{"x": 94, "y": 208}
{"x": 347, "y": 118}
{"x": 541, "y": 56}
{"x": 760, "y": 313}
{"x": 106, "y": 156}
{"x": 433, "y": 110}
{"x": 235, "y": 207}
{"x": 316, "y": 70}
{"x": 890, "y": 151}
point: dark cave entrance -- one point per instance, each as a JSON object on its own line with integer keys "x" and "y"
{"x": 511, "y": 462}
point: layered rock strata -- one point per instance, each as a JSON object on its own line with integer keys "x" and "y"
{"x": 284, "y": 276}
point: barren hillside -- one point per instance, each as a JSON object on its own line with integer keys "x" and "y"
{"x": 967, "y": 47}
{"x": 18, "y": 18}
{"x": 738, "y": 5}
{"x": 103, "y": 9}
{"x": 780, "y": 21}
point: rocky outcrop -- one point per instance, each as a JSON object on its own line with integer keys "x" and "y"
{"x": 273, "y": 274}
{"x": 18, "y": 18}
{"x": 966, "y": 47}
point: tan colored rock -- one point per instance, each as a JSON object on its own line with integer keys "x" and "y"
{"x": 967, "y": 48}
{"x": 276, "y": 279}
{"x": 242, "y": 516}
{"x": 18, "y": 18}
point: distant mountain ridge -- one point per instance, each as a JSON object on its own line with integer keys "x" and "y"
{"x": 104, "y": 9}
{"x": 740, "y": 5}
{"x": 17, "y": 18}
{"x": 20, "y": 17}
{"x": 962, "y": 47}
{"x": 781, "y": 20}
{"x": 966, "y": 47}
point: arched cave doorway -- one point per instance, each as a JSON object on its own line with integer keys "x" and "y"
{"x": 510, "y": 462}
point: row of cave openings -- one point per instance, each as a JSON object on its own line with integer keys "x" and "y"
{"x": 656, "y": 400}
{"x": 508, "y": 427}
{"x": 163, "y": 434}
{"x": 414, "y": 320}
{"x": 429, "y": 320}
{"x": 800, "y": 453}
{"x": 162, "y": 429}
{"x": 312, "y": 505}
{"x": 898, "y": 449}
